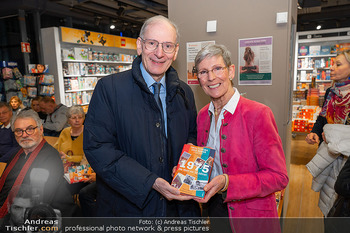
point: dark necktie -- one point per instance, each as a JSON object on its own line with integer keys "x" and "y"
{"x": 156, "y": 87}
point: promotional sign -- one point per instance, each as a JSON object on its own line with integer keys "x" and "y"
{"x": 255, "y": 61}
{"x": 192, "y": 50}
{"x": 77, "y": 36}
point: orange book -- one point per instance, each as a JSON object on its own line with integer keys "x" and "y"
{"x": 193, "y": 170}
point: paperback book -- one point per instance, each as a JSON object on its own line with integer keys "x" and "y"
{"x": 77, "y": 174}
{"x": 193, "y": 170}
{"x": 314, "y": 50}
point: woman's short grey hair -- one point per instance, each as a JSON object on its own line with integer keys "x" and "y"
{"x": 156, "y": 19}
{"x": 213, "y": 50}
{"x": 75, "y": 109}
{"x": 26, "y": 114}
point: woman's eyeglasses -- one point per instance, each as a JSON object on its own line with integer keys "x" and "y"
{"x": 217, "y": 71}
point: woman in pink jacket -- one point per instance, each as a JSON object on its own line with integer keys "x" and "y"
{"x": 249, "y": 165}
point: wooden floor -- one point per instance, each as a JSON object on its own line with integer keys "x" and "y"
{"x": 303, "y": 214}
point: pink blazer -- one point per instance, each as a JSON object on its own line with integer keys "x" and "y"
{"x": 251, "y": 154}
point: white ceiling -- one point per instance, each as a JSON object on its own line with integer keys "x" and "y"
{"x": 130, "y": 14}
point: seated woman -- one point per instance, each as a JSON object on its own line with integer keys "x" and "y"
{"x": 36, "y": 107}
{"x": 70, "y": 141}
{"x": 16, "y": 105}
{"x": 70, "y": 147}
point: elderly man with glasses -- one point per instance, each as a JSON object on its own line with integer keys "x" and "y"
{"x": 35, "y": 163}
{"x": 136, "y": 126}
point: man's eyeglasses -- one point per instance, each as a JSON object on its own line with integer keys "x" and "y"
{"x": 217, "y": 71}
{"x": 30, "y": 130}
{"x": 168, "y": 47}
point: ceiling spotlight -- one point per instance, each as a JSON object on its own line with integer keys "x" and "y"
{"x": 319, "y": 27}
{"x": 112, "y": 24}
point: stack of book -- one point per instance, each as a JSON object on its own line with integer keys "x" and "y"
{"x": 313, "y": 97}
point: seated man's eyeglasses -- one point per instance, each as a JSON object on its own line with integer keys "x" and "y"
{"x": 217, "y": 71}
{"x": 30, "y": 130}
{"x": 168, "y": 47}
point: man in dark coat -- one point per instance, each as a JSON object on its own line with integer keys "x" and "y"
{"x": 131, "y": 140}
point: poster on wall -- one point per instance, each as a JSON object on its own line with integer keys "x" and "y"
{"x": 255, "y": 61}
{"x": 192, "y": 50}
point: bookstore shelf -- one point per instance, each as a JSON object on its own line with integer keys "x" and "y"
{"x": 86, "y": 89}
{"x": 85, "y": 75}
{"x": 79, "y": 59}
{"x": 317, "y": 81}
{"x": 324, "y": 55}
{"x": 104, "y": 62}
{"x": 314, "y": 56}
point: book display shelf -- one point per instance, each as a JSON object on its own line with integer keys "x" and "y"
{"x": 80, "y": 58}
{"x": 11, "y": 81}
{"x": 39, "y": 81}
{"x": 26, "y": 87}
{"x": 83, "y": 67}
{"x": 314, "y": 56}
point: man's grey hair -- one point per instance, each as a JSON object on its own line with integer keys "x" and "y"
{"x": 213, "y": 50}
{"x": 156, "y": 19}
{"x": 75, "y": 109}
{"x": 4, "y": 104}
{"x": 26, "y": 114}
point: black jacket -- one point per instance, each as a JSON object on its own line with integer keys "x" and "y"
{"x": 320, "y": 121}
{"x": 123, "y": 143}
{"x": 341, "y": 207}
{"x": 342, "y": 185}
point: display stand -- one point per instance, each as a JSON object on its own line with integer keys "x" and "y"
{"x": 315, "y": 54}
{"x": 39, "y": 82}
{"x": 80, "y": 58}
{"x": 11, "y": 82}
